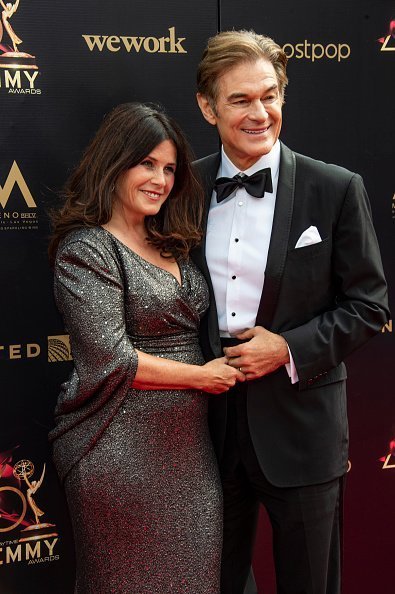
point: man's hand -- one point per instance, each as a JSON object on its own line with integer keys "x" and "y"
{"x": 262, "y": 354}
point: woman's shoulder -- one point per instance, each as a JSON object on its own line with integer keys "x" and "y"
{"x": 94, "y": 236}
{"x": 92, "y": 242}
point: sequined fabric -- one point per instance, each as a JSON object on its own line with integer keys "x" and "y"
{"x": 140, "y": 474}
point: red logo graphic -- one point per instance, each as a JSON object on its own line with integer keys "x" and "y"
{"x": 388, "y": 42}
{"x": 17, "y": 508}
{"x": 389, "y": 459}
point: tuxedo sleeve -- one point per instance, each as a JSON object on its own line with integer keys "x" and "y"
{"x": 360, "y": 307}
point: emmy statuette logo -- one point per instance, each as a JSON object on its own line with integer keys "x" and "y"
{"x": 18, "y": 69}
{"x": 12, "y": 57}
{"x": 37, "y": 540}
{"x": 24, "y": 470}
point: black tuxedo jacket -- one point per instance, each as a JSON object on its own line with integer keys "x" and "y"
{"x": 326, "y": 299}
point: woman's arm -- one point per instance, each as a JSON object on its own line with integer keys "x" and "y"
{"x": 155, "y": 372}
{"x": 90, "y": 295}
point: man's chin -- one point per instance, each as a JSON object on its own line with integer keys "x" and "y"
{"x": 258, "y": 147}
{"x": 255, "y": 152}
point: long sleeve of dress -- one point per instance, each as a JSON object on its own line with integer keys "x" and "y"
{"x": 89, "y": 291}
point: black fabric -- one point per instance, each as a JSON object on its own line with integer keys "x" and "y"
{"x": 304, "y": 520}
{"x": 256, "y": 184}
{"x": 325, "y": 300}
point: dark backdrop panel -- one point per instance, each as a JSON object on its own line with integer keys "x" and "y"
{"x": 339, "y": 108}
{"x": 47, "y": 117}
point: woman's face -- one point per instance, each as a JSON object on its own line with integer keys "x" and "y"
{"x": 141, "y": 190}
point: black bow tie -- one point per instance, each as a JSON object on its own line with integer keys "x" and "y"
{"x": 256, "y": 184}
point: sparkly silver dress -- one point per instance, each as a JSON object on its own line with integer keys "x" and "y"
{"x": 138, "y": 466}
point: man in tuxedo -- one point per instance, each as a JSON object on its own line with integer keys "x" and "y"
{"x": 296, "y": 283}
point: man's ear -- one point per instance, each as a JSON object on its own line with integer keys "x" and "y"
{"x": 206, "y": 109}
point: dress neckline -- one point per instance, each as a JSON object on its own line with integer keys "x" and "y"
{"x": 180, "y": 284}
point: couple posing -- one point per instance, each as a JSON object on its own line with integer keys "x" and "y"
{"x": 260, "y": 313}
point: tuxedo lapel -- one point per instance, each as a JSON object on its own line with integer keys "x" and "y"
{"x": 279, "y": 238}
{"x": 208, "y": 169}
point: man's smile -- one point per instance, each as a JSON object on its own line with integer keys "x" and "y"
{"x": 259, "y": 131}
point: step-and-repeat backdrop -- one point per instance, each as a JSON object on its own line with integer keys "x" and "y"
{"x": 62, "y": 67}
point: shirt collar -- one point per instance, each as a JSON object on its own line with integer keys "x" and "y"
{"x": 272, "y": 160}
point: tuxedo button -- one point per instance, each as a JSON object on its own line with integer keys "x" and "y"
{"x": 234, "y": 277}
{"x": 233, "y": 313}
{"x": 236, "y": 239}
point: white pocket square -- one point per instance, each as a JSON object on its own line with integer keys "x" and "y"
{"x": 308, "y": 237}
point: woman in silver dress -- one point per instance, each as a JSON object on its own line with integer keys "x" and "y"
{"x": 131, "y": 441}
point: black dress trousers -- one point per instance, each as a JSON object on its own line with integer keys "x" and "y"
{"x": 305, "y": 520}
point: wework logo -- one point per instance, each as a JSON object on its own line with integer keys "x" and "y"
{"x": 152, "y": 45}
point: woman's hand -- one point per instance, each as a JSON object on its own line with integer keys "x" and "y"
{"x": 218, "y": 376}
{"x": 158, "y": 373}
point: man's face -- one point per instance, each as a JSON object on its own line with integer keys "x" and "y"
{"x": 248, "y": 111}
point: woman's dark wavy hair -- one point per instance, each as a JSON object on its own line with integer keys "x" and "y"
{"x": 127, "y": 135}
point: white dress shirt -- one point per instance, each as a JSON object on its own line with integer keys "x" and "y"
{"x": 237, "y": 244}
